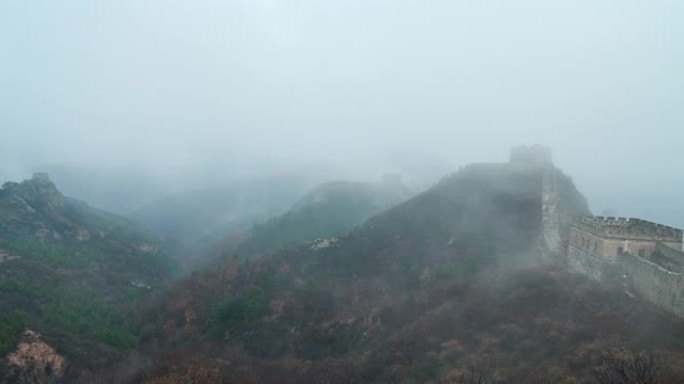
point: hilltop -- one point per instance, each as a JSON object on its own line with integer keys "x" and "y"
{"x": 326, "y": 211}
{"x": 73, "y": 274}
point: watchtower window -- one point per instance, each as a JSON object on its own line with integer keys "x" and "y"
{"x": 641, "y": 252}
{"x": 620, "y": 250}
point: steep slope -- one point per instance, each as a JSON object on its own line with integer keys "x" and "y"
{"x": 329, "y": 210}
{"x": 414, "y": 294}
{"x": 72, "y": 273}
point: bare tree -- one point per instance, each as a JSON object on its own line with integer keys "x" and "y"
{"x": 629, "y": 367}
{"x": 336, "y": 373}
{"x": 485, "y": 372}
{"x": 532, "y": 376}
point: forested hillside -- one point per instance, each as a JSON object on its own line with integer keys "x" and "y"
{"x": 73, "y": 274}
{"x": 327, "y": 211}
{"x": 448, "y": 281}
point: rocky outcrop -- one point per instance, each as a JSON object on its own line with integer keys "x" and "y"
{"x": 33, "y": 208}
{"x": 4, "y": 256}
{"x": 37, "y": 191}
{"x": 33, "y": 361}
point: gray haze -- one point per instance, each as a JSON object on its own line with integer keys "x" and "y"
{"x": 153, "y": 93}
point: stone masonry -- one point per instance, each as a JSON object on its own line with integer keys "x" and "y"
{"x": 647, "y": 255}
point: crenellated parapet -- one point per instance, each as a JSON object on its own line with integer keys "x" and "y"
{"x": 625, "y": 228}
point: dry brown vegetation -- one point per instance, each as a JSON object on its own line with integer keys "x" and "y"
{"x": 415, "y": 295}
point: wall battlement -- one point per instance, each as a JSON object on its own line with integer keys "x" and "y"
{"x": 628, "y": 228}
{"x": 646, "y": 256}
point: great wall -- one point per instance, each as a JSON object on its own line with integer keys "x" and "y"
{"x": 647, "y": 257}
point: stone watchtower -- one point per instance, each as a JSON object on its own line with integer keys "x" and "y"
{"x": 40, "y": 176}
{"x": 647, "y": 257}
{"x": 598, "y": 244}
{"x": 531, "y": 156}
{"x": 609, "y": 237}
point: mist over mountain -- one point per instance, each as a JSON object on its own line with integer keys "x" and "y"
{"x": 249, "y": 85}
{"x": 461, "y": 275}
{"x": 215, "y": 210}
{"x": 326, "y": 211}
{"x": 451, "y": 277}
{"x": 194, "y": 218}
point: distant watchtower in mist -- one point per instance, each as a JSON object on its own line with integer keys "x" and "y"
{"x": 531, "y": 155}
{"x": 40, "y": 176}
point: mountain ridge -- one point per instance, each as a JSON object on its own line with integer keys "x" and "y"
{"x": 474, "y": 238}
{"x": 328, "y": 210}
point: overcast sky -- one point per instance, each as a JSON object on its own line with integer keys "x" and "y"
{"x": 171, "y": 86}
